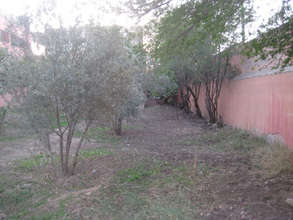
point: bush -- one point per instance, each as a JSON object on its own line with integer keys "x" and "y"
{"x": 87, "y": 73}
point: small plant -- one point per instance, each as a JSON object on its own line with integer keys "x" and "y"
{"x": 30, "y": 164}
{"x": 138, "y": 173}
{"x": 93, "y": 153}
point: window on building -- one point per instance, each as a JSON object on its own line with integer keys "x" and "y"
{"x": 4, "y": 36}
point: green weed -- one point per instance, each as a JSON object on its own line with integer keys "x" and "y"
{"x": 29, "y": 164}
{"x": 100, "y": 135}
{"x": 93, "y": 153}
{"x": 10, "y": 138}
{"x": 63, "y": 122}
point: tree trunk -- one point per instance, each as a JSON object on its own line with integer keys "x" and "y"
{"x": 118, "y": 127}
{"x": 3, "y": 112}
{"x": 61, "y": 147}
{"x": 185, "y": 102}
{"x": 45, "y": 139}
{"x": 197, "y": 108}
{"x": 211, "y": 101}
{"x": 195, "y": 94}
{"x": 75, "y": 159}
{"x": 67, "y": 149}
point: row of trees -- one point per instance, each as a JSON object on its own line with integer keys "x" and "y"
{"x": 88, "y": 74}
{"x": 193, "y": 42}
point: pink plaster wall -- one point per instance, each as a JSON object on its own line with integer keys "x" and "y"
{"x": 4, "y": 100}
{"x": 19, "y": 32}
{"x": 11, "y": 49}
{"x": 262, "y": 104}
{"x": 3, "y": 26}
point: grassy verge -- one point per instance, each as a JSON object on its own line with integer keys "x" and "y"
{"x": 268, "y": 159}
{"x": 225, "y": 140}
{"x": 151, "y": 190}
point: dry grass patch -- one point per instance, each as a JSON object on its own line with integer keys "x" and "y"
{"x": 273, "y": 159}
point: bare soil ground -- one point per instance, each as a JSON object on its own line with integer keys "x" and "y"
{"x": 166, "y": 165}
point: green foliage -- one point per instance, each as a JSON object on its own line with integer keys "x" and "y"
{"x": 160, "y": 85}
{"x": 62, "y": 120}
{"x": 275, "y": 40}
{"x": 195, "y": 22}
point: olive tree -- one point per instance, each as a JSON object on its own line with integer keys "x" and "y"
{"x": 86, "y": 74}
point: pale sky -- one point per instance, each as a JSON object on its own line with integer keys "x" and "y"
{"x": 100, "y": 11}
{"x": 88, "y": 8}
{"x": 69, "y": 9}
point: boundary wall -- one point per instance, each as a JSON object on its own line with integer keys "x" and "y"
{"x": 259, "y": 99}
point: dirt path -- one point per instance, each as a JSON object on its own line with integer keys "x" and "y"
{"x": 159, "y": 129}
{"x": 18, "y": 149}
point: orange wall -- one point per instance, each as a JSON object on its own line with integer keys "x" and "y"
{"x": 260, "y": 104}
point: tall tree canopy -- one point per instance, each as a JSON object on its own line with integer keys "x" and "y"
{"x": 192, "y": 43}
